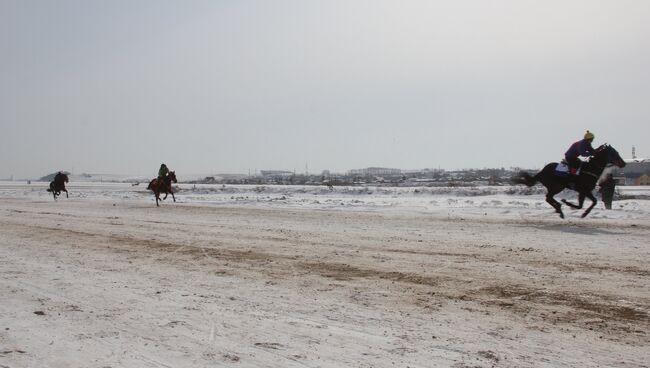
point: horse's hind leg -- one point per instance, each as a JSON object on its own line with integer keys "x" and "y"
{"x": 557, "y": 205}
{"x": 593, "y": 203}
{"x": 581, "y": 201}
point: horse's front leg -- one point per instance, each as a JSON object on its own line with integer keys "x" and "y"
{"x": 66, "y": 193}
{"x": 593, "y": 203}
{"x": 165, "y": 196}
{"x": 174, "y": 198}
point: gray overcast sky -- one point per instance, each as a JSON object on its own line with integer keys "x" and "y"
{"x": 228, "y": 86}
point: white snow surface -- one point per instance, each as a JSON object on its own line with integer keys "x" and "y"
{"x": 504, "y": 201}
{"x": 305, "y": 276}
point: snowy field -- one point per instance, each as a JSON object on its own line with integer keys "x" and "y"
{"x": 501, "y": 201}
{"x": 303, "y": 276}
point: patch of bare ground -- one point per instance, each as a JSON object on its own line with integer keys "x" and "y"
{"x": 589, "y": 311}
{"x": 567, "y": 266}
{"x": 593, "y": 267}
{"x": 551, "y": 223}
{"x": 342, "y": 272}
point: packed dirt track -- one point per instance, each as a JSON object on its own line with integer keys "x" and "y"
{"x": 120, "y": 283}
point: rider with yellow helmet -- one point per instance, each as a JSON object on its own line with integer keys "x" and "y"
{"x": 580, "y": 148}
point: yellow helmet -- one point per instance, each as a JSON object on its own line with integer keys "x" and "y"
{"x": 589, "y": 135}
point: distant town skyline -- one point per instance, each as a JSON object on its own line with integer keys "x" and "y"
{"x": 228, "y": 87}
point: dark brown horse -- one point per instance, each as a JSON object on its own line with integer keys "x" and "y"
{"x": 58, "y": 185}
{"x": 163, "y": 186}
{"x": 584, "y": 183}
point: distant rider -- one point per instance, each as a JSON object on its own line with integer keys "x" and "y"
{"x": 162, "y": 173}
{"x": 580, "y": 148}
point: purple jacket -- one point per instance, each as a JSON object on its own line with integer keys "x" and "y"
{"x": 580, "y": 148}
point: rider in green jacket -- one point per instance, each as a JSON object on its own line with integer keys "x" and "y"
{"x": 163, "y": 172}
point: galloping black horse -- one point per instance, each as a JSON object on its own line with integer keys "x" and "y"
{"x": 164, "y": 186}
{"x": 584, "y": 183}
{"x": 58, "y": 185}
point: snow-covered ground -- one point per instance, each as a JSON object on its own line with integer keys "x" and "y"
{"x": 303, "y": 276}
{"x": 502, "y": 201}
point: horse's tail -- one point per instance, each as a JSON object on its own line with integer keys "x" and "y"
{"x": 51, "y": 188}
{"x": 525, "y": 178}
{"x": 150, "y": 186}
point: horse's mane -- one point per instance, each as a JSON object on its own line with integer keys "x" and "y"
{"x": 602, "y": 147}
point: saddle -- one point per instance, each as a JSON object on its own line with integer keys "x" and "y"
{"x": 564, "y": 170}
{"x": 155, "y": 183}
{"x": 161, "y": 184}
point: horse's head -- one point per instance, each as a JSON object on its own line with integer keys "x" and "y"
{"x": 172, "y": 176}
{"x": 609, "y": 155}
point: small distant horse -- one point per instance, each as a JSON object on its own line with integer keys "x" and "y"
{"x": 164, "y": 186}
{"x": 584, "y": 183}
{"x": 58, "y": 185}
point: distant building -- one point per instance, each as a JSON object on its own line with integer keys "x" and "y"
{"x": 375, "y": 171}
{"x": 643, "y": 180}
{"x": 276, "y": 173}
{"x": 634, "y": 171}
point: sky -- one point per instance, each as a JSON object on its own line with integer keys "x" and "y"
{"x": 239, "y": 86}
